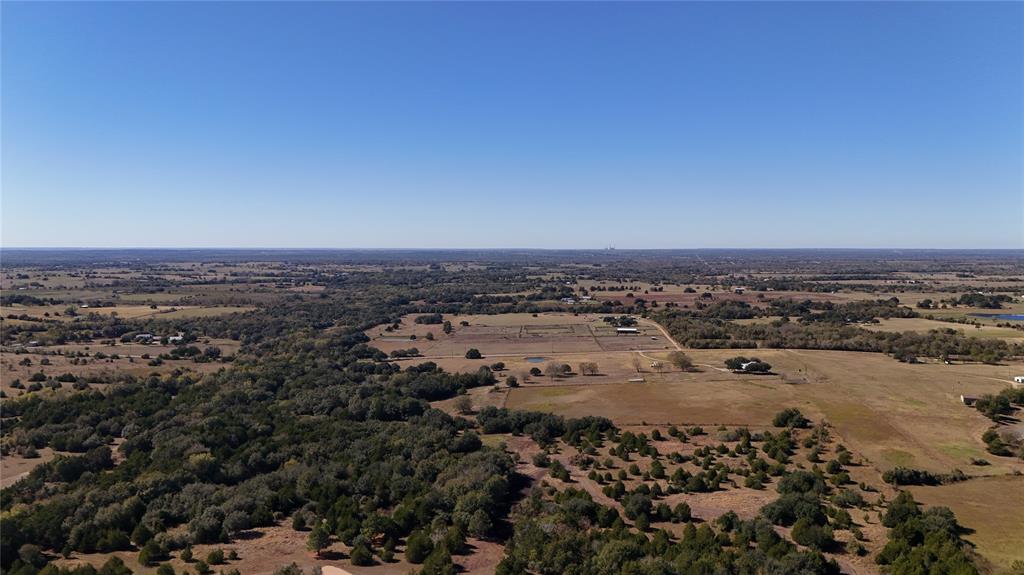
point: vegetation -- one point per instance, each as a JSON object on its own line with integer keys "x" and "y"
{"x": 287, "y": 415}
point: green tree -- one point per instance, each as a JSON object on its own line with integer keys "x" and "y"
{"x": 319, "y": 538}
{"x": 215, "y": 557}
{"x": 480, "y": 523}
{"x": 418, "y": 547}
{"x": 439, "y": 563}
{"x": 361, "y": 555}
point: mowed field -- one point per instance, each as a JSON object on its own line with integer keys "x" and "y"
{"x": 893, "y": 413}
{"x": 923, "y": 325}
{"x": 992, "y": 508}
{"x": 518, "y": 335}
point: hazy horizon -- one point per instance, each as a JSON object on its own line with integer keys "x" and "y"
{"x": 492, "y": 126}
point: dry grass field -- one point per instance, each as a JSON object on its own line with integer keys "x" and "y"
{"x": 13, "y": 467}
{"x": 922, "y": 325}
{"x": 992, "y": 508}
{"x": 893, "y": 413}
{"x": 129, "y": 361}
{"x": 890, "y": 413}
{"x": 519, "y": 335}
{"x": 123, "y": 311}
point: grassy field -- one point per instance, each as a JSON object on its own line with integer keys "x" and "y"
{"x": 123, "y": 311}
{"x": 521, "y": 335}
{"x": 993, "y": 508}
{"x": 893, "y": 413}
{"x": 15, "y": 467}
{"x": 890, "y": 413}
{"x": 923, "y": 325}
{"x": 129, "y": 361}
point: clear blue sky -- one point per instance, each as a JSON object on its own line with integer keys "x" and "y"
{"x": 513, "y": 125}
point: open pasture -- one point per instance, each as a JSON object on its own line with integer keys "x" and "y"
{"x": 992, "y": 508}
{"x": 922, "y": 325}
{"x": 517, "y": 335}
{"x": 117, "y": 358}
{"x": 11, "y": 371}
{"x": 753, "y": 298}
{"x": 893, "y": 413}
{"x": 123, "y": 311}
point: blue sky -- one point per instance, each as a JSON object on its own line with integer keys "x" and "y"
{"x": 564, "y": 125}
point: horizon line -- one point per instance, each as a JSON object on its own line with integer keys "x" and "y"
{"x": 499, "y": 249}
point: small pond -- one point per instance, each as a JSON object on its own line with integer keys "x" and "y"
{"x": 1002, "y": 316}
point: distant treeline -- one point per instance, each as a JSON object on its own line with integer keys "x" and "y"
{"x": 826, "y": 326}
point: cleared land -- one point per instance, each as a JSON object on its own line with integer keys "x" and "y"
{"x": 922, "y": 325}
{"x": 122, "y": 311}
{"x": 119, "y": 358}
{"x": 517, "y": 335}
{"x": 991, "y": 507}
{"x": 893, "y": 413}
{"x": 14, "y": 467}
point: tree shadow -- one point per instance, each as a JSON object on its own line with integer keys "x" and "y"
{"x": 248, "y": 535}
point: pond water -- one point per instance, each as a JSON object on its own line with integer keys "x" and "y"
{"x": 536, "y": 359}
{"x": 1003, "y": 316}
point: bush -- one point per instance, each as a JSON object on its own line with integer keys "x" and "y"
{"x": 361, "y": 555}
{"x": 790, "y": 417}
{"x": 848, "y": 498}
{"x": 32, "y": 555}
{"x": 907, "y": 476}
{"x": 814, "y": 536}
{"x": 215, "y": 557}
{"x": 681, "y": 513}
{"x": 418, "y": 547}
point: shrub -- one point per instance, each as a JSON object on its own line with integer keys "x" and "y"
{"x": 814, "y": 536}
{"x": 790, "y": 417}
{"x": 361, "y": 555}
{"x": 215, "y": 557}
{"x": 418, "y": 547}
